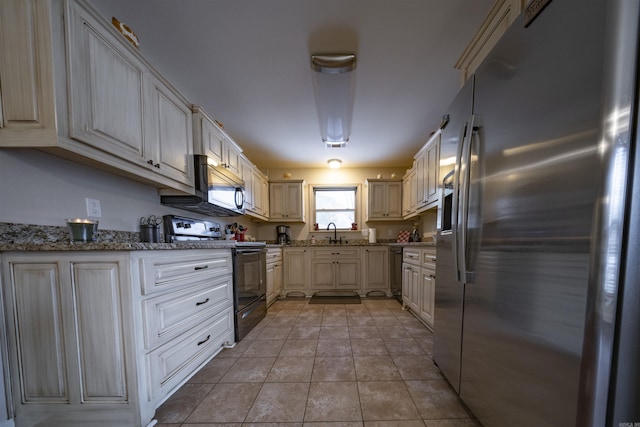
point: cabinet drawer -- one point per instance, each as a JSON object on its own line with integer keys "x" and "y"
{"x": 428, "y": 257}
{"x": 178, "y": 359}
{"x": 274, "y": 255}
{"x": 336, "y": 252}
{"x": 168, "y": 315}
{"x": 411, "y": 256}
{"x": 165, "y": 272}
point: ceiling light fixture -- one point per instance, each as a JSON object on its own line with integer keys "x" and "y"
{"x": 334, "y": 163}
{"x": 333, "y": 82}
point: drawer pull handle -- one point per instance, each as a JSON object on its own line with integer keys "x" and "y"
{"x": 204, "y": 340}
{"x": 202, "y": 267}
{"x": 202, "y": 302}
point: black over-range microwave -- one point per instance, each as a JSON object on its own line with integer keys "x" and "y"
{"x": 217, "y": 191}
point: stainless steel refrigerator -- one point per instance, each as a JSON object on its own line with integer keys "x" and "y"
{"x": 538, "y": 238}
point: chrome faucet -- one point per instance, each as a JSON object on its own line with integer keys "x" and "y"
{"x": 335, "y": 233}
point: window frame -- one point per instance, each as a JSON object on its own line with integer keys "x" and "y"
{"x": 337, "y": 187}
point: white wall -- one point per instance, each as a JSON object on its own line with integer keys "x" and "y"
{"x": 39, "y": 188}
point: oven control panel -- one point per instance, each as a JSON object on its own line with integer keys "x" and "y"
{"x": 178, "y": 228}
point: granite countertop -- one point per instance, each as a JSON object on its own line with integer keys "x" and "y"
{"x": 26, "y": 237}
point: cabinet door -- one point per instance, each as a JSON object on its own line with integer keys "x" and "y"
{"x": 258, "y": 193}
{"x": 232, "y": 158}
{"x": 394, "y": 200}
{"x": 377, "y": 200}
{"x": 96, "y": 290}
{"x": 246, "y": 173}
{"x": 427, "y": 295}
{"x": 294, "y": 203}
{"x": 270, "y": 279}
{"x": 27, "y": 110}
{"x": 414, "y": 293}
{"x": 171, "y": 129}
{"x": 37, "y": 334}
{"x": 212, "y": 141}
{"x": 108, "y": 91}
{"x": 277, "y": 280}
{"x": 433, "y": 172}
{"x": 421, "y": 179}
{"x": 323, "y": 274}
{"x": 277, "y": 201}
{"x": 347, "y": 274}
{"x": 376, "y": 269}
{"x": 406, "y": 284}
{"x": 295, "y": 268}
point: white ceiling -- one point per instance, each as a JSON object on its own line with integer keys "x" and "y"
{"x": 247, "y": 63}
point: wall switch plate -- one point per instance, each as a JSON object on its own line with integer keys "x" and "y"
{"x": 93, "y": 208}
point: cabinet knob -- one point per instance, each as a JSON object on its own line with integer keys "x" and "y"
{"x": 150, "y": 162}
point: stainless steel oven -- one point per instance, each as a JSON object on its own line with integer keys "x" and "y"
{"x": 249, "y": 267}
{"x": 249, "y": 286}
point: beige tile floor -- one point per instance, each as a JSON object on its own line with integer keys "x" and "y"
{"x": 334, "y": 365}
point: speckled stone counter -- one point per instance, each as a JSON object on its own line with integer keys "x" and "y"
{"x": 27, "y": 237}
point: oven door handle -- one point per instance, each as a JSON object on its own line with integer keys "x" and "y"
{"x": 250, "y": 251}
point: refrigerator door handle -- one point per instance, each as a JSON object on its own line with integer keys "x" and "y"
{"x": 465, "y": 166}
{"x": 457, "y": 208}
{"x": 469, "y": 252}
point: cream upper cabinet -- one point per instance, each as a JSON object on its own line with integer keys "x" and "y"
{"x": 246, "y": 173}
{"x": 375, "y": 271}
{"x": 211, "y": 140}
{"x": 260, "y": 195}
{"x": 171, "y": 128}
{"x": 409, "y": 196}
{"x": 75, "y": 86}
{"x": 26, "y": 74}
{"x": 256, "y": 190}
{"x": 432, "y": 187}
{"x": 427, "y": 167}
{"x": 287, "y": 200}
{"x": 384, "y": 200}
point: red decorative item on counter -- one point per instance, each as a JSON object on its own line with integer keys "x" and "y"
{"x": 403, "y": 236}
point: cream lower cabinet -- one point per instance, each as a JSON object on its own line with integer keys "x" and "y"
{"x": 102, "y": 338}
{"x": 375, "y": 271}
{"x": 418, "y": 282}
{"x": 274, "y": 274}
{"x": 411, "y": 279}
{"x": 71, "y": 339}
{"x": 336, "y": 268}
{"x": 295, "y": 269}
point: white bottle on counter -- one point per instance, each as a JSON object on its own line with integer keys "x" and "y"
{"x": 313, "y": 240}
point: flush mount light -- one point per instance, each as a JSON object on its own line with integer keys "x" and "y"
{"x": 333, "y": 82}
{"x": 334, "y": 163}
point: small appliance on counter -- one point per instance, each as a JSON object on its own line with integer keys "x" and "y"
{"x": 284, "y": 234}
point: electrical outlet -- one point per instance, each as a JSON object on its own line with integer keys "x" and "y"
{"x": 93, "y": 208}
